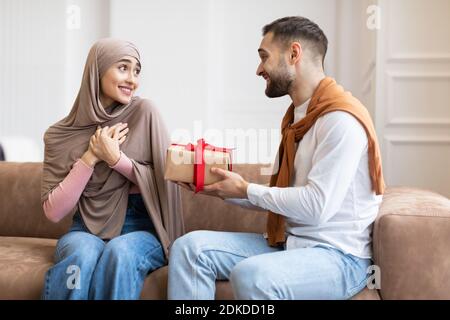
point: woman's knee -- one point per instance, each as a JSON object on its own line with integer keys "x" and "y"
{"x": 82, "y": 246}
{"x": 131, "y": 245}
{"x": 117, "y": 249}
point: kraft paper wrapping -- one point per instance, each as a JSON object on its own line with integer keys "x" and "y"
{"x": 180, "y": 164}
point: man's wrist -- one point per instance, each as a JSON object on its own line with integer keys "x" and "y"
{"x": 244, "y": 187}
{"x": 256, "y": 192}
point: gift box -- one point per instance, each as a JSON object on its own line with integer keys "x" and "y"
{"x": 192, "y": 163}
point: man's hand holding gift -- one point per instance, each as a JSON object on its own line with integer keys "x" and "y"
{"x": 232, "y": 185}
{"x": 205, "y": 169}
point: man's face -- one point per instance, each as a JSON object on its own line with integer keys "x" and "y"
{"x": 274, "y": 68}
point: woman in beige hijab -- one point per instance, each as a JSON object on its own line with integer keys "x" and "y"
{"x": 104, "y": 163}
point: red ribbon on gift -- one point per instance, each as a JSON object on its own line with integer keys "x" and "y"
{"x": 199, "y": 160}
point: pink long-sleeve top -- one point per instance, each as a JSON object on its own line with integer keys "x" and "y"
{"x": 65, "y": 196}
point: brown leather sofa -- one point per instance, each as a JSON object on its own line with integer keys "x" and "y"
{"x": 411, "y": 237}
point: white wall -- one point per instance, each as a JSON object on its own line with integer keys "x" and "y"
{"x": 413, "y": 93}
{"x": 199, "y": 61}
{"x": 41, "y": 62}
{"x": 355, "y": 61}
{"x": 32, "y": 62}
{"x": 80, "y": 34}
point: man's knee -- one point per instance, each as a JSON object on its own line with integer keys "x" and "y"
{"x": 190, "y": 244}
{"x": 251, "y": 280}
{"x": 244, "y": 273}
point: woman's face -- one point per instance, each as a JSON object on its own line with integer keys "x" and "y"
{"x": 120, "y": 82}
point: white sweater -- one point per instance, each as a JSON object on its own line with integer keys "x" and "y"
{"x": 330, "y": 201}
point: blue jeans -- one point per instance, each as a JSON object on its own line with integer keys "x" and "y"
{"x": 87, "y": 267}
{"x": 258, "y": 271}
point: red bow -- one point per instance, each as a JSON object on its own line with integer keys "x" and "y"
{"x": 199, "y": 160}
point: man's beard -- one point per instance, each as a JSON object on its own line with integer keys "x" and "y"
{"x": 280, "y": 82}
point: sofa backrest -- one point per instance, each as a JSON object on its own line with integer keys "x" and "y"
{"x": 209, "y": 213}
{"x": 21, "y": 212}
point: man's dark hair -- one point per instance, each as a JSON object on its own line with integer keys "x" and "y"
{"x": 289, "y": 29}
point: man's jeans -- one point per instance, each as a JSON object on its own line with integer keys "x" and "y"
{"x": 86, "y": 267}
{"x": 258, "y": 271}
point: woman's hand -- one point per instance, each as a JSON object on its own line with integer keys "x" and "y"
{"x": 89, "y": 158}
{"x": 105, "y": 143}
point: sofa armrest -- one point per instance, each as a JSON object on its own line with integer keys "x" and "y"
{"x": 411, "y": 244}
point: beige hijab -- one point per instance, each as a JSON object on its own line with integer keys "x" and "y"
{"x": 103, "y": 202}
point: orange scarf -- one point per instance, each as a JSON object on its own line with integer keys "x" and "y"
{"x": 327, "y": 97}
